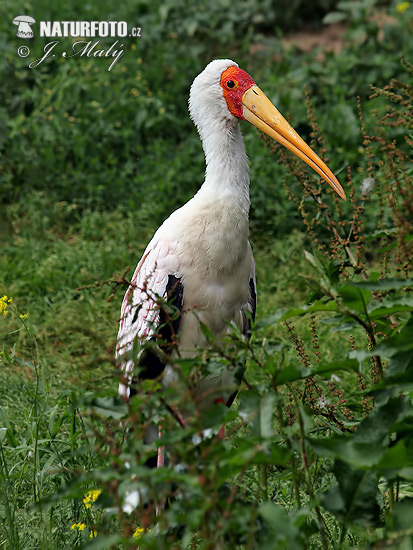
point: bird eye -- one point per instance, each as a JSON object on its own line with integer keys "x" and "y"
{"x": 230, "y": 84}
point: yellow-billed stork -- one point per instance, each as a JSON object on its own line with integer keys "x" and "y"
{"x": 200, "y": 258}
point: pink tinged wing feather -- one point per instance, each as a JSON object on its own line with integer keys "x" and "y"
{"x": 139, "y": 312}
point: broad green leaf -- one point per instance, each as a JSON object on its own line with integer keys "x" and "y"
{"x": 396, "y": 458}
{"x": 354, "y": 498}
{"x": 381, "y": 233}
{"x": 390, "y": 306}
{"x": 402, "y": 514}
{"x": 379, "y": 422}
{"x": 406, "y": 473}
{"x": 284, "y": 314}
{"x": 359, "y": 455}
{"x": 367, "y": 445}
{"x": 280, "y": 531}
{"x": 246, "y": 452}
{"x": 355, "y": 298}
{"x": 215, "y": 416}
{"x": 397, "y": 349}
{"x": 294, "y": 372}
{"x": 399, "y": 343}
{"x": 257, "y": 411}
{"x": 384, "y": 284}
{"x": 400, "y": 368}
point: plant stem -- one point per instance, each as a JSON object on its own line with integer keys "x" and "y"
{"x": 307, "y": 471}
{"x": 343, "y": 534}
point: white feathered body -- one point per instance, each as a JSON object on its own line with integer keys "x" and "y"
{"x": 204, "y": 243}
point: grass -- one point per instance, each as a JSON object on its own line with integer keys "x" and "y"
{"x": 76, "y": 329}
{"x": 64, "y": 349}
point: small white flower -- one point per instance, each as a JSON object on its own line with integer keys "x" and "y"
{"x": 205, "y": 434}
{"x": 367, "y": 186}
{"x": 323, "y": 402}
{"x": 131, "y": 502}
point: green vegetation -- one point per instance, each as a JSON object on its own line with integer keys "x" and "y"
{"x": 319, "y": 443}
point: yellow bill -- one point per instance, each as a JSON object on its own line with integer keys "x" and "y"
{"x": 259, "y": 110}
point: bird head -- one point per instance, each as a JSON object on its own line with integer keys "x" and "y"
{"x": 223, "y": 91}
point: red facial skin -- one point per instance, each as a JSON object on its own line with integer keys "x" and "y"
{"x": 233, "y": 96}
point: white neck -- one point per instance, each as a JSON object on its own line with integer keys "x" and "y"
{"x": 226, "y": 162}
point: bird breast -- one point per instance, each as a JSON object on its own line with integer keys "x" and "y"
{"x": 215, "y": 265}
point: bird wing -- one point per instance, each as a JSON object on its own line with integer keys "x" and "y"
{"x": 156, "y": 278}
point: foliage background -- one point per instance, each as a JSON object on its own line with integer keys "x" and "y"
{"x": 91, "y": 162}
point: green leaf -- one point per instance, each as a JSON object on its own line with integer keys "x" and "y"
{"x": 108, "y": 407}
{"x": 359, "y": 455}
{"x": 390, "y": 306}
{"x": 283, "y": 314}
{"x": 354, "y": 498}
{"x": 397, "y": 458}
{"x": 384, "y": 284}
{"x": 215, "y": 416}
{"x": 399, "y": 343}
{"x": 381, "y": 233}
{"x": 280, "y": 531}
{"x": 334, "y": 17}
{"x": 402, "y": 514}
{"x": 294, "y": 372}
{"x": 397, "y": 349}
{"x": 354, "y": 297}
{"x": 328, "y": 272}
{"x": 312, "y": 259}
{"x": 379, "y": 422}
{"x": 246, "y": 452}
{"x": 257, "y": 410}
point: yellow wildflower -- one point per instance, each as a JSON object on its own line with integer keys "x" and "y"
{"x": 4, "y": 302}
{"x": 402, "y": 7}
{"x": 91, "y": 497}
{"x": 93, "y": 534}
{"x": 78, "y": 526}
{"x": 139, "y": 532}
{"x": 24, "y": 316}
